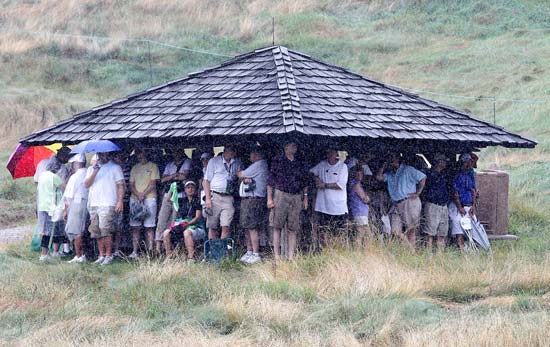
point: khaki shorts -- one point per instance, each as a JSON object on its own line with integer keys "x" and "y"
{"x": 222, "y": 211}
{"x": 253, "y": 212}
{"x": 287, "y": 210}
{"x": 102, "y": 221}
{"x": 436, "y": 219}
{"x": 405, "y": 214}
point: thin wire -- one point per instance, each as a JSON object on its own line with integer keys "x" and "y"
{"x": 416, "y": 91}
{"x": 93, "y": 37}
{"x": 479, "y": 98}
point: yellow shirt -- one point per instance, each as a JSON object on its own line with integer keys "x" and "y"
{"x": 142, "y": 174}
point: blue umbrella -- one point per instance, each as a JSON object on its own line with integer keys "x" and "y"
{"x": 97, "y": 146}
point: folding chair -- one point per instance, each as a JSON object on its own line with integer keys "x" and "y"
{"x": 217, "y": 249}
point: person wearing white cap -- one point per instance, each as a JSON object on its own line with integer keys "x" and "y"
{"x": 76, "y": 201}
{"x": 189, "y": 225}
{"x": 464, "y": 198}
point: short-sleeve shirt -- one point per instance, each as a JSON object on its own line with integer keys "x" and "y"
{"x": 171, "y": 168}
{"x": 142, "y": 174}
{"x": 463, "y": 184}
{"x": 218, "y": 172}
{"x": 403, "y": 182}
{"x": 48, "y": 191}
{"x": 258, "y": 171}
{"x": 104, "y": 190}
{"x": 76, "y": 190}
{"x": 357, "y": 206}
{"x": 331, "y": 201}
{"x": 289, "y": 176}
{"x": 188, "y": 209}
{"x": 436, "y": 189}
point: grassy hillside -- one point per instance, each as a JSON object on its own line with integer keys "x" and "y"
{"x": 462, "y": 54}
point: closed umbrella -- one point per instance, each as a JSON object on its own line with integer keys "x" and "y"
{"x": 97, "y": 146}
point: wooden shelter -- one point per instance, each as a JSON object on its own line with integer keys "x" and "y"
{"x": 272, "y": 93}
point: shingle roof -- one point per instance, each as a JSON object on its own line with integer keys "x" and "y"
{"x": 275, "y": 90}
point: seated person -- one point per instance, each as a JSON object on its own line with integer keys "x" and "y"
{"x": 189, "y": 225}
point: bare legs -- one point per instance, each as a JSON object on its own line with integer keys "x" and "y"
{"x": 277, "y": 244}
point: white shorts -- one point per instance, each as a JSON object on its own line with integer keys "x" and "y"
{"x": 151, "y": 219}
{"x": 455, "y": 217}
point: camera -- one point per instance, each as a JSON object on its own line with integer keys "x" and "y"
{"x": 251, "y": 186}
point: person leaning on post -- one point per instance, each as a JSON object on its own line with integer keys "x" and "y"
{"x": 253, "y": 191}
{"x": 220, "y": 185}
{"x": 405, "y": 184}
{"x": 105, "y": 183}
{"x": 176, "y": 171}
{"x": 435, "y": 201}
{"x": 287, "y": 195}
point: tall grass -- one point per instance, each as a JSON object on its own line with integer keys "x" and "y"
{"x": 376, "y": 297}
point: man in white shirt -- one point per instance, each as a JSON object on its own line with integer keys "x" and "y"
{"x": 76, "y": 200}
{"x": 331, "y": 177}
{"x": 105, "y": 181}
{"x": 253, "y": 192}
{"x": 220, "y": 183}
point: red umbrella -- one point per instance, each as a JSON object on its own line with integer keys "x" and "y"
{"x": 24, "y": 160}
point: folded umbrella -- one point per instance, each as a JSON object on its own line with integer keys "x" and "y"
{"x": 24, "y": 160}
{"x": 97, "y": 146}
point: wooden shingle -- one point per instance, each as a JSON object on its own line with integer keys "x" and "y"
{"x": 275, "y": 90}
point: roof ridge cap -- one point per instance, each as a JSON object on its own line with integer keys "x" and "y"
{"x": 286, "y": 83}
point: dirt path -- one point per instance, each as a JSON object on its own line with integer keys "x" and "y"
{"x": 15, "y": 234}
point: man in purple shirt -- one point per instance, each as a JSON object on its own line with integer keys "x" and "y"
{"x": 286, "y": 195}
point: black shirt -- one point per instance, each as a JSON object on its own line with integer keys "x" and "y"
{"x": 188, "y": 209}
{"x": 436, "y": 190}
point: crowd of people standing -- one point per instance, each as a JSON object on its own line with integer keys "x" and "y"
{"x": 194, "y": 199}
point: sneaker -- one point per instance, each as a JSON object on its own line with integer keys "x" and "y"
{"x": 44, "y": 258}
{"x": 56, "y": 255}
{"x": 134, "y": 255}
{"x": 254, "y": 258}
{"x": 99, "y": 260}
{"x": 82, "y": 259}
{"x": 74, "y": 260}
{"x": 245, "y": 257}
{"x": 108, "y": 260}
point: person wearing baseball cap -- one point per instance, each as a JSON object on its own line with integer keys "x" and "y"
{"x": 189, "y": 225}
{"x": 464, "y": 197}
{"x": 435, "y": 200}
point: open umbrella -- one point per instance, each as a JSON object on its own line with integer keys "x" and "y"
{"x": 97, "y": 146}
{"x": 24, "y": 160}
